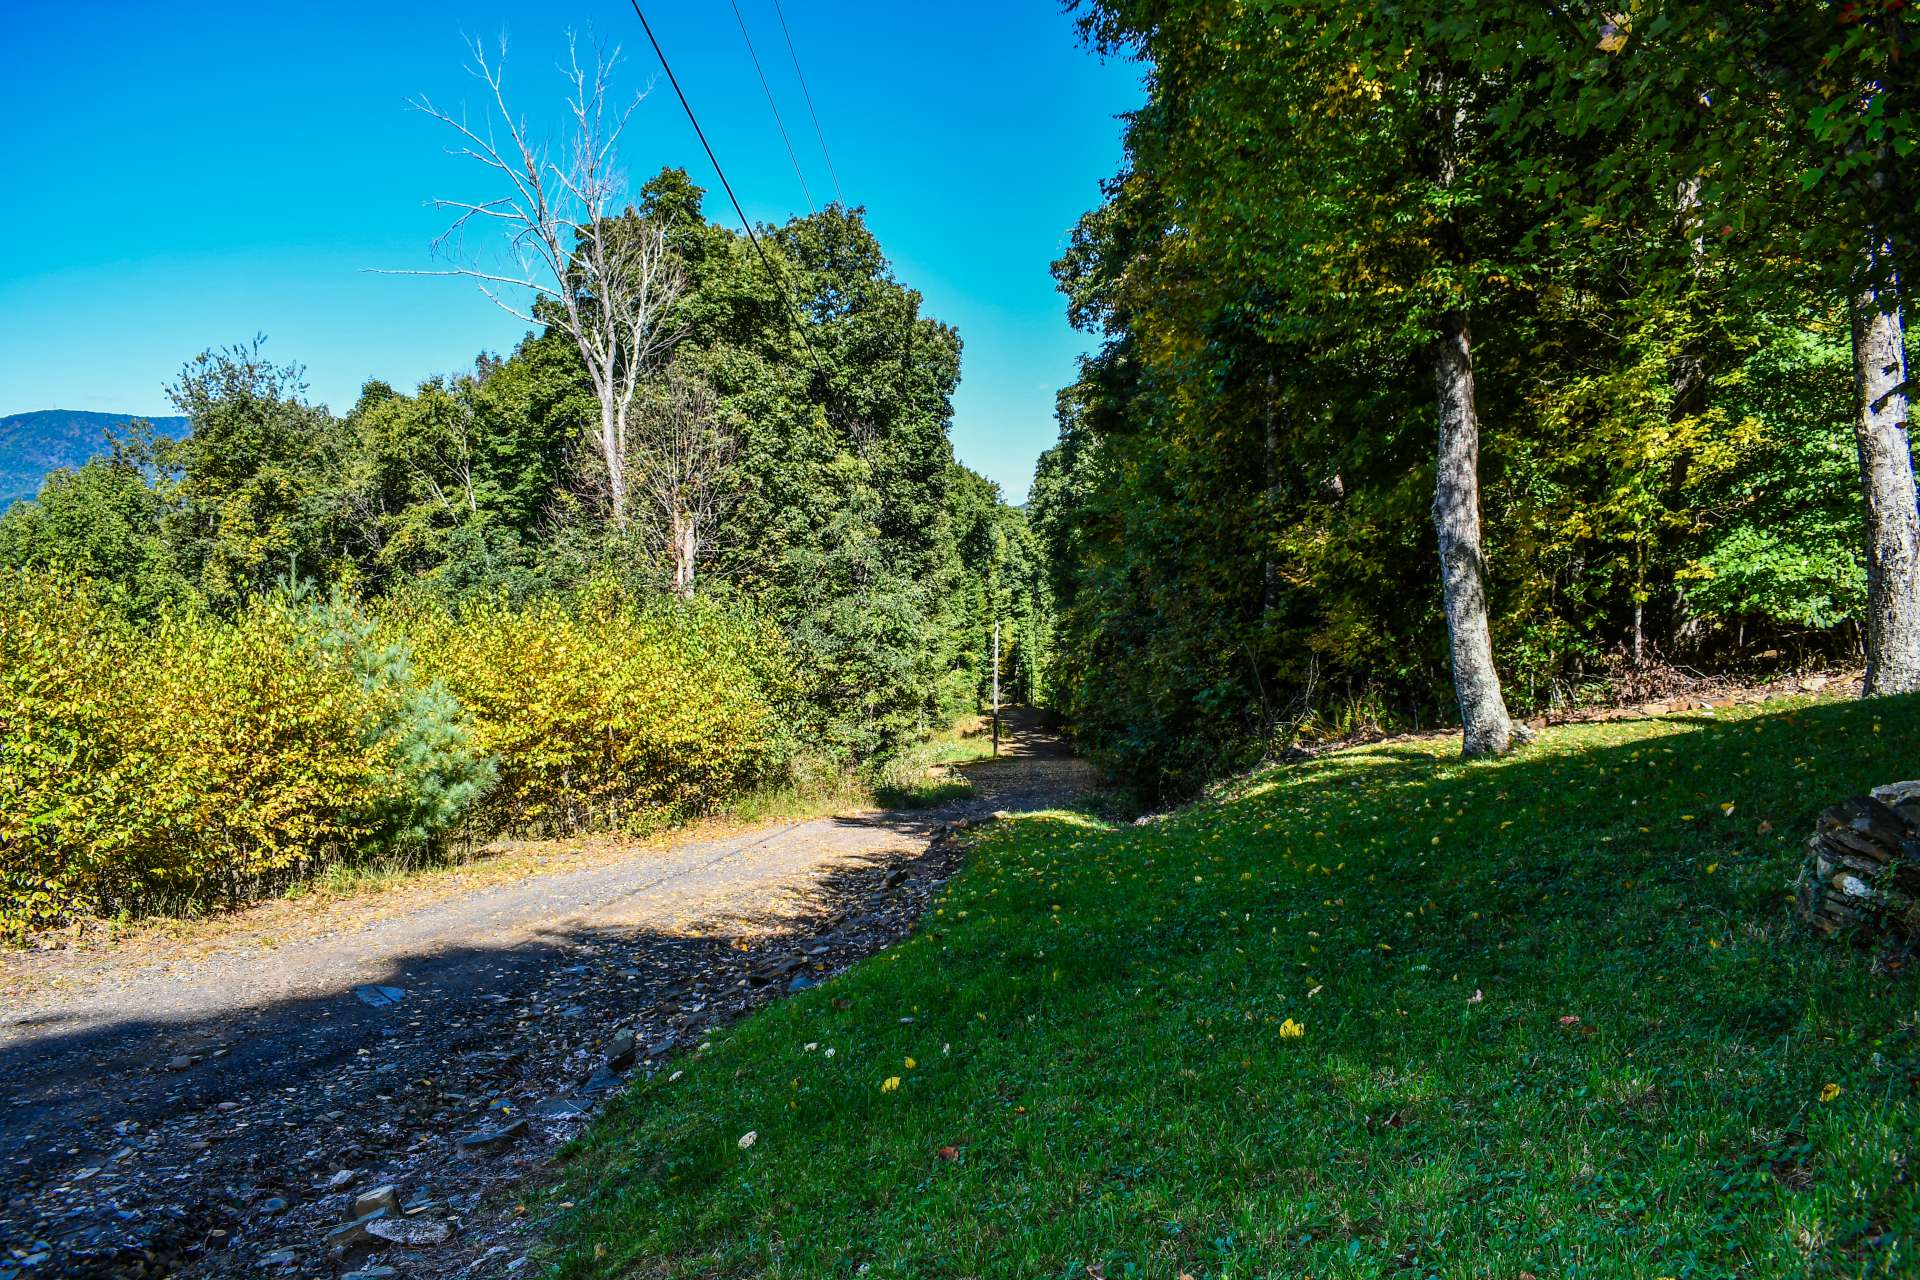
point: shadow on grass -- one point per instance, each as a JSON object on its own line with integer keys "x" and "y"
{"x": 1646, "y": 1071}
{"x": 194, "y": 1106}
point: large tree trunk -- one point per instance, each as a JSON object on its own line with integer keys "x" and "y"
{"x": 1485, "y": 726}
{"x": 1886, "y": 483}
{"x": 1269, "y": 568}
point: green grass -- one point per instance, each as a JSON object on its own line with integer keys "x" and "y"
{"x": 919, "y": 777}
{"x": 1101, "y": 1086}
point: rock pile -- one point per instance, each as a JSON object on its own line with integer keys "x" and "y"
{"x": 1863, "y": 864}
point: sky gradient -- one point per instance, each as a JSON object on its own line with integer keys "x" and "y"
{"x": 178, "y": 182}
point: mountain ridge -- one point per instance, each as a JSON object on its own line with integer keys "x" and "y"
{"x": 36, "y": 443}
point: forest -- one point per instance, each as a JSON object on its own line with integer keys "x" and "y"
{"x": 1452, "y": 367}
{"x": 1462, "y": 363}
{"x": 293, "y": 638}
{"x": 539, "y": 820}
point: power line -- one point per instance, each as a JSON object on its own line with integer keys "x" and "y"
{"x": 779, "y": 282}
{"x": 766, "y": 88}
{"x": 818, "y": 132}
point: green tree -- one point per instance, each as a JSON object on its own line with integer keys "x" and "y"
{"x": 252, "y": 491}
{"x": 1784, "y": 126}
{"x": 102, "y": 521}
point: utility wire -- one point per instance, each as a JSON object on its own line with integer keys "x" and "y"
{"x": 808, "y": 95}
{"x": 766, "y": 88}
{"x": 779, "y": 281}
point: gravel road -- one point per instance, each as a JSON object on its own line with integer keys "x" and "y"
{"x": 179, "y": 1112}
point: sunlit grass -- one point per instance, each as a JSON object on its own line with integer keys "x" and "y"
{"x": 1555, "y": 1018}
{"x": 921, "y": 777}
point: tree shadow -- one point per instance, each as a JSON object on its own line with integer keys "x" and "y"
{"x": 192, "y": 1125}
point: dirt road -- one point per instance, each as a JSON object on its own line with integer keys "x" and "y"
{"x": 191, "y": 1113}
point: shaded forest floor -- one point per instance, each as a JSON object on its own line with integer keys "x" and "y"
{"x": 1383, "y": 1013}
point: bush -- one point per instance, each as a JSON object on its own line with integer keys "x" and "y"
{"x": 203, "y": 760}
{"x": 602, "y": 712}
{"x": 436, "y": 769}
{"x": 206, "y": 760}
{"x": 64, "y": 686}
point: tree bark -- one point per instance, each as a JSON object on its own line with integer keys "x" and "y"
{"x": 1269, "y": 569}
{"x": 1486, "y": 728}
{"x": 1887, "y": 485}
{"x": 683, "y": 548}
{"x": 614, "y": 454}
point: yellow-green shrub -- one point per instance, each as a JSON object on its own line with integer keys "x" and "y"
{"x": 261, "y": 763}
{"x": 206, "y": 760}
{"x": 202, "y": 759}
{"x": 64, "y": 774}
{"x": 601, "y": 712}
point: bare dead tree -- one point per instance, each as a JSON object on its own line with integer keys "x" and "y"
{"x": 683, "y": 448}
{"x": 606, "y": 275}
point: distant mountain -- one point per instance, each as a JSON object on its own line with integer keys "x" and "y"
{"x": 33, "y": 444}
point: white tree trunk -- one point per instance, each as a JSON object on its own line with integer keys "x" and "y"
{"x": 683, "y": 550}
{"x": 1485, "y": 726}
{"x": 614, "y": 454}
{"x": 1886, "y": 483}
{"x": 606, "y": 276}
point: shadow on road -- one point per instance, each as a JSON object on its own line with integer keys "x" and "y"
{"x": 164, "y": 1144}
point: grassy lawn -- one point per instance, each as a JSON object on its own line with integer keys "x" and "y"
{"x": 1383, "y": 1014}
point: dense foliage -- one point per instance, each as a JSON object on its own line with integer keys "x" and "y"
{"x": 204, "y": 759}
{"x": 847, "y": 521}
{"x": 1633, "y": 218}
{"x": 501, "y": 652}
{"x": 602, "y": 714}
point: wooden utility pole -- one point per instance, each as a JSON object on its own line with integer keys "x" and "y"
{"x": 996, "y": 686}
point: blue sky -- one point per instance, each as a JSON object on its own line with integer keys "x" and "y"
{"x": 182, "y": 177}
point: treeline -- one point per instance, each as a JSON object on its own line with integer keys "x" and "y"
{"x": 427, "y": 614}
{"x": 1460, "y": 359}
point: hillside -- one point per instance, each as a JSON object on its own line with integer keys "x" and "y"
{"x": 1384, "y": 1014}
{"x": 33, "y": 444}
